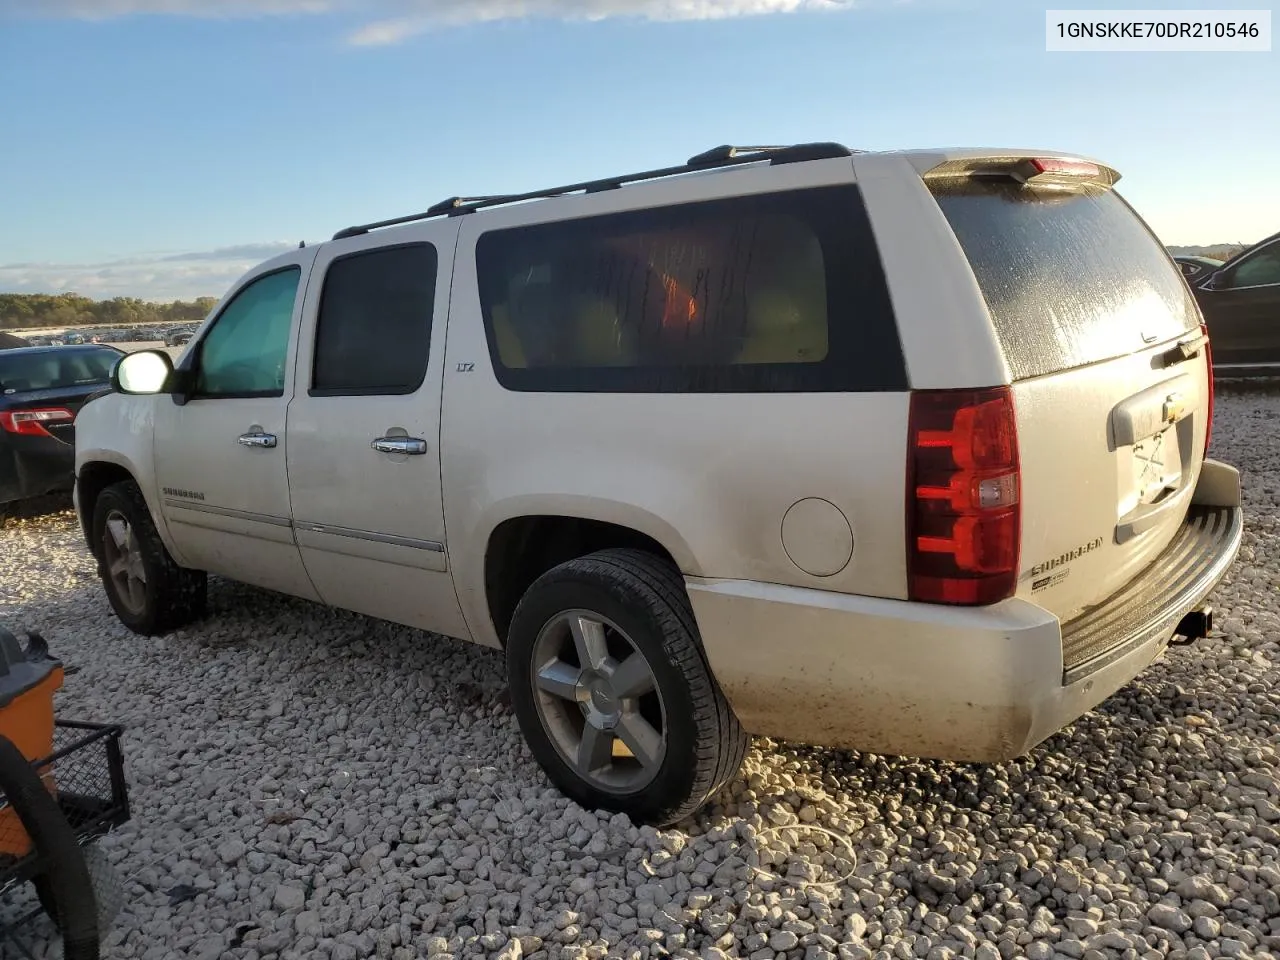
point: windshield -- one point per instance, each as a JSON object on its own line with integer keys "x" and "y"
{"x": 55, "y": 369}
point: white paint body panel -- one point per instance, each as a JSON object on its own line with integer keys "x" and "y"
{"x": 709, "y": 476}
{"x": 947, "y": 336}
{"x": 370, "y": 526}
{"x": 240, "y": 526}
{"x": 118, "y": 430}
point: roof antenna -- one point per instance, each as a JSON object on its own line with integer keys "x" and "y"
{"x": 301, "y": 244}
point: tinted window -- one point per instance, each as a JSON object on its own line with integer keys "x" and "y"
{"x": 1260, "y": 269}
{"x": 55, "y": 369}
{"x": 775, "y": 292}
{"x": 244, "y": 352}
{"x": 1070, "y": 278}
{"x": 374, "y": 327}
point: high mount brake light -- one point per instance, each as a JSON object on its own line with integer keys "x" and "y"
{"x": 30, "y": 423}
{"x": 1053, "y": 170}
{"x": 964, "y": 517}
{"x": 1066, "y": 168}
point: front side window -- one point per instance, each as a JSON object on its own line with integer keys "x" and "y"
{"x": 374, "y": 326}
{"x": 1261, "y": 269}
{"x": 244, "y": 353}
{"x": 763, "y": 293}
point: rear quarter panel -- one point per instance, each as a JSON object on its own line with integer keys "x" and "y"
{"x": 709, "y": 476}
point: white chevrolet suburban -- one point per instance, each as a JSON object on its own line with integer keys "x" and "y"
{"x": 901, "y": 452}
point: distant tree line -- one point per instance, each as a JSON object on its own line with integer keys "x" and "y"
{"x": 1218, "y": 251}
{"x": 21, "y": 310}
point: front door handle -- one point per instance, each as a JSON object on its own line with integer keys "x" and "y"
{"x": 409, "y": 446}
{"x": 262, "y": 440}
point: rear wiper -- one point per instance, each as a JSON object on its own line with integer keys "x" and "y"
{"x": 1183, "y": 350}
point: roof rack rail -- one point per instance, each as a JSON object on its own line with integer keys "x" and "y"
{"x": 722, "y": 156}
{"x": 795, "y": 153}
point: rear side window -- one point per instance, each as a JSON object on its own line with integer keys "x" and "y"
{"x": 374, "y": 328}
{"x": 57, "y": 369}
{"x": 1070, "y": 278}
{"x": 775, "y": 292}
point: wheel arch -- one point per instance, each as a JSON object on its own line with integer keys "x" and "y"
{"x": 96, "y": 470}
{"x": 92, "y": 478}
{"x": 523, "y": 544}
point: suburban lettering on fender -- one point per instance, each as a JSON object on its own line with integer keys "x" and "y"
{"x": 1067, "y": 557}
{"x": 183, "y": 494}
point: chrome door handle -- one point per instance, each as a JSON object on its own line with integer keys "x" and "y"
{"x": 264, "y": 440}
{"x": 409, "y": 446}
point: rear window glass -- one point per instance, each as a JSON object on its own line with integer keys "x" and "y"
{"x": 771, "y": 292}
{"x": 55, "y": 369}
{"x": 1070, "y": 278}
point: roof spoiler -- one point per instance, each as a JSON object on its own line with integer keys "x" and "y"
{"x": 1036, "y": 171}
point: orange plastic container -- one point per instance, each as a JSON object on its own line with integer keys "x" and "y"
{"x": 28, "y": 680}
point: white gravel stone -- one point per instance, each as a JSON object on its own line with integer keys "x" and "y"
{"x": 1168, "y": 917}
{"x": 313, "y": 785}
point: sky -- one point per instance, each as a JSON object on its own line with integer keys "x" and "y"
{"x": 159, "y": 148}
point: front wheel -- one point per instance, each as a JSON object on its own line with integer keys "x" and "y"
{"x": 612, "y": 690}
{"x": 149, "y": 592}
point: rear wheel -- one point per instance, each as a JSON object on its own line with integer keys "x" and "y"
{"x": 149, "y": 592}
{"x": 613, "y": 692}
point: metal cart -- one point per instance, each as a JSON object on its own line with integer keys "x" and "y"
{"x": 84, "y": 776}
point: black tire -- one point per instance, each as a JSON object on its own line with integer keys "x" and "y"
{"x": 173, "y": 595}
{"x": 645, "y": 596}
{"x": 68, "y": 885}
{"x": 104, "y": 881}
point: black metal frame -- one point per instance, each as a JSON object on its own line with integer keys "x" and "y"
{"x": 723, "y": 156}
{"x": 94, "y": 816}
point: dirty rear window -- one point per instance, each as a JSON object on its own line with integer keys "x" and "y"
{"x": 1070, "y": 278}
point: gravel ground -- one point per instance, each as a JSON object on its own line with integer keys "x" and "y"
{"x": 315, "y": 784}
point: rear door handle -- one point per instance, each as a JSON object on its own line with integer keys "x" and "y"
{"x": 409, "y": 446}
{"x": 262, "y": 440}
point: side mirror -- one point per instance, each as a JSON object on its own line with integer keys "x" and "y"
{"x": 147, "y": 372}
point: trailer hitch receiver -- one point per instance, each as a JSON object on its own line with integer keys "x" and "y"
{"x": 1196, "y": 625}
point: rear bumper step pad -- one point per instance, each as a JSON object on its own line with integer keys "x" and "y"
{"x": 1171, "y": 587}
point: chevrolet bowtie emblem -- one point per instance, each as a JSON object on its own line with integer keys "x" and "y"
{"x": 1175, "y": 405}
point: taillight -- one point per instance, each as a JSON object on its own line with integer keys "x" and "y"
{"x": 1208, "y": 365}
{"x": 964, "y": 516}
{"x": 30, "y": 423}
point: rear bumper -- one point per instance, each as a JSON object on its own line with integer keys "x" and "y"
{"x": 976, "y": 684}
{"x": 34, "y": 466}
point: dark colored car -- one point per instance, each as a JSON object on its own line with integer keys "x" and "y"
{"x": 177, "y": 337}
{"x": 1241, "y": 306}
{"x": 41, "y": 391}
{"x": 1195, "y": 269}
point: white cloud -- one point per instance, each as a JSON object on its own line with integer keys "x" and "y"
{"x": 161, "y": 277}
{"x": 393, "y": 21}
{"x": 105, "y": 9}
